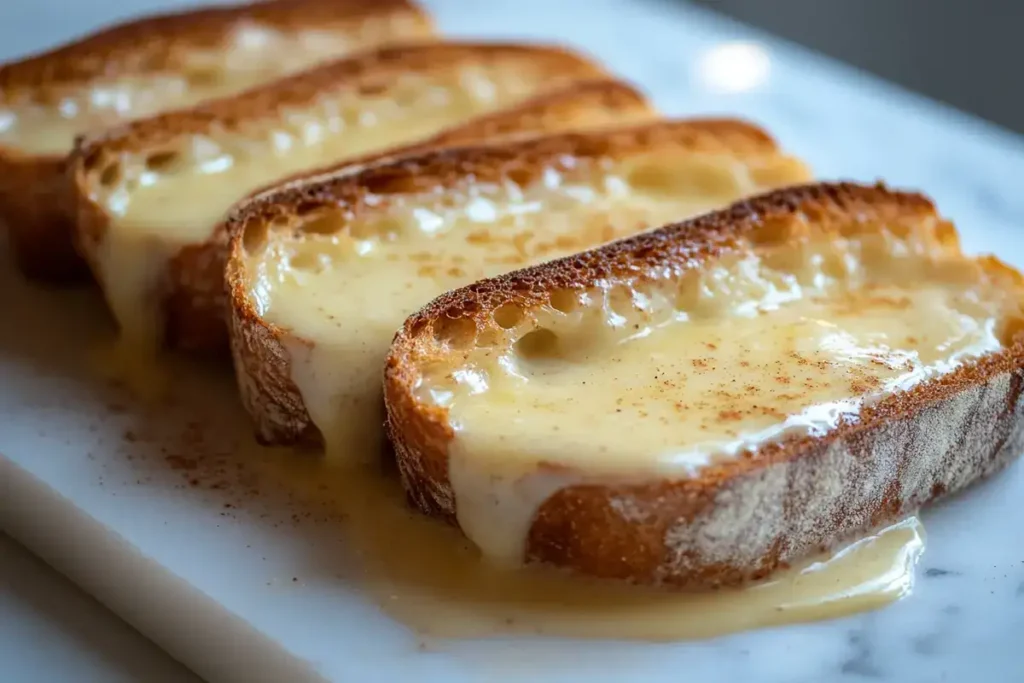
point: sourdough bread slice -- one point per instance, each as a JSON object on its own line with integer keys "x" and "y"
{"x": 704, "y": 403}
{"x": 147, "y": 191}
{"x": 149, "y": 65}
{"x": 322, "y": 273}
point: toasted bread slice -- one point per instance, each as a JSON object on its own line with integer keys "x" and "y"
{"x": 154, "y": 64}
{"x": 321, "y": 274}
{"x": 189, "y": 302}
{"x": 148, "y": 191}
{"x": 701, "y": 404}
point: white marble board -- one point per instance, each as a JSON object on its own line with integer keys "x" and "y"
{"x": 252, "y": 595}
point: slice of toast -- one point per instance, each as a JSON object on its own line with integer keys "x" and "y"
{"x": 322, "y": 273}
{"x": 149, "y": 65}
{"x": 704, "y": 403}
{"x": 190, "y": 300}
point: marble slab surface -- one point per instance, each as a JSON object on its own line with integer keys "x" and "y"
{"x": 208, "y": 591}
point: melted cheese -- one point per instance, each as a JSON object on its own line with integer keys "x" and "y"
{"x": 47, "y": 123}
{"x": 658, "y": 382}
{"x": 347, "y": 292}
{"x": 424, "y": 573}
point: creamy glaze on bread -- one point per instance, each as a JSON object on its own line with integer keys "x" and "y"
{"x": 153, "y": 64}
{"x": 736, "y": 516}
{"x": 454, "y": 215}
{"x": 196, "y": 306}
{"x": 148, "y": 191}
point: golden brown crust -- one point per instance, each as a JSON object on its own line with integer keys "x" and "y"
{"x": 157, "y": 43}
{"x": 782, "y": 502}
{"x": 262, "y": 364}
{"x": 194, "y": 305}
{"x": 33, "y": 198}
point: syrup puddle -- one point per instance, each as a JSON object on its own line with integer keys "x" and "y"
{"x": 426, "y": 575}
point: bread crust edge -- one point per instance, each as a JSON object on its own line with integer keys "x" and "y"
{"x": 34, "y": 207}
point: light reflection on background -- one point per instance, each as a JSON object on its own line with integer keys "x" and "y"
{"x": 733, "y": 67}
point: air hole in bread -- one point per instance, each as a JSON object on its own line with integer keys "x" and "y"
{"x": 622, "y": 302}
{"x": 93, "y": 159}
{"x": 903, "y": 232}
{"x": 520, "y": 175}
{"x": 697, "y": 177}
{"x": 878, "y": 247}
{"x": 150, "y": 61}
{"x": 308, "y": 261}
{"x": 372, "y": 88}
{"x": 565, "y": 300}
{"x": 785, "y": 259}
{"x": 457, "y": 333}
{"x": 541, "y": 344}
{"x": 386, "y": 228}
{"x": 772, "y": 231}
{"x": 279, "y": 224}
{"x": 111, "y": 174}
{"x": 325, "y": 223}
{"x": 508, "y": 316}
{"x": 834, "y": 265}
{"x": 688, "y": 290}
{"x": 411, "y": 97}
{"x": 199, "y": 77}
{"x": 161, "y": 161}
{"x": 390, "y": 182}
{"x": 254, "y": 236}
{"x": 1012, "y": 328}
{"x": 304, "y": 208}
{"x": 652, "y": 178}
{"x": 418, "y": 327}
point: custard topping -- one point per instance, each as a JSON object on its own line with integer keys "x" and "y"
{"x": 662, "y": 379}
{"x": 347, "y": 291}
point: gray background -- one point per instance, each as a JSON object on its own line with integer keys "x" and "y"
{"x": 968, "y": 53}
